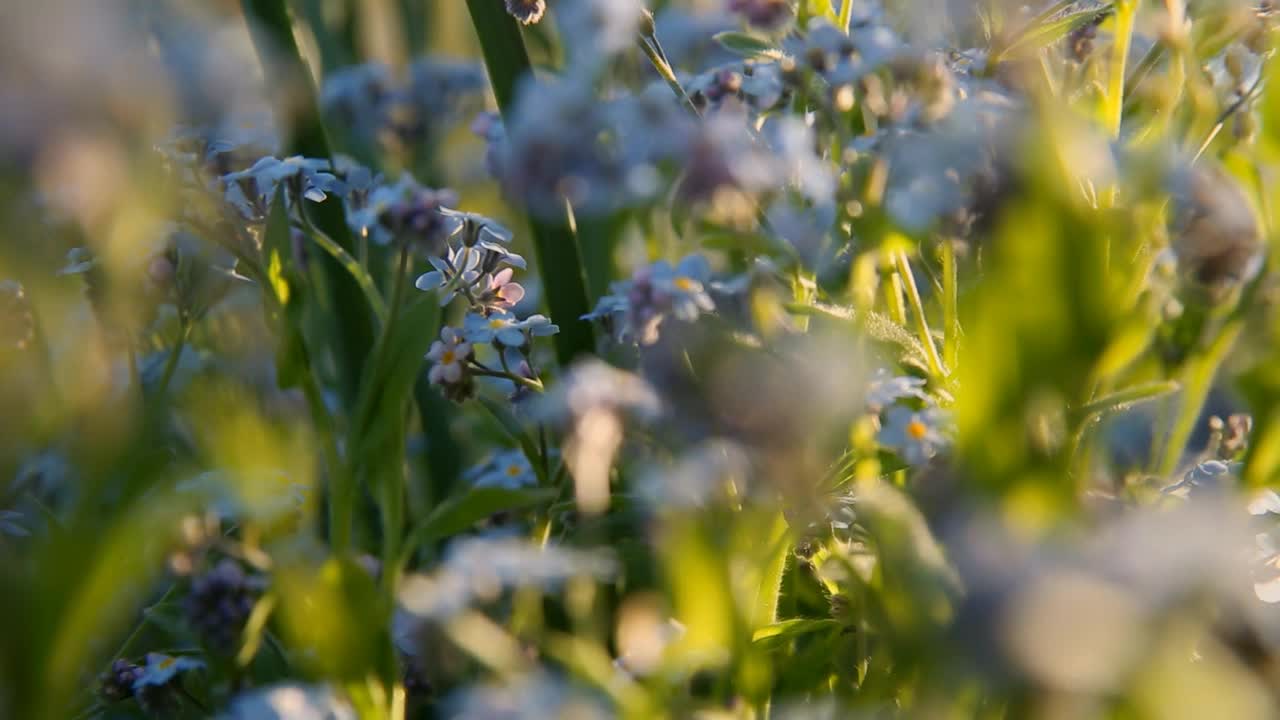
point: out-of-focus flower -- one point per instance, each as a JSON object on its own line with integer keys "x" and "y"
{"x": 290, "y": 702}
{"x": 406, "y": 212}
{"x": 161, "y": 669}
{"x": 593, "y": 400}
{"x": 595, "y": 30}
{"x": 440, "y": 92}
{"x": 1217, "y": 237}
{"x": 505, "y": 469}
{"x": 527, "y": 12}
{"x": 479, "y": 569}
{"x": 767, "y": 14}
{"x": 654, "y": 292}
{"x": 1211, "y": 477}
{"x": 356, "y": 97}
{"x": 488, "y": 126}
{"x": 219, "y": 603}
{"x": 915, "y": 435}
{"x": 116, "y": 684}
{"x": 792, "y": 141}
{"x": 529, "y": 697}
{"x": 698, "y": 476}
{"x": 885, "y": 389}
{"x": 379, "y": 107}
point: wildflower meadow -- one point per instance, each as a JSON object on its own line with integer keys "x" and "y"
{"x": 713, "y": 359}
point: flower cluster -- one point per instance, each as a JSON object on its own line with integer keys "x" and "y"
{"x": 911, "y": 424}
{"x": 478, "y": 267}
{"x": 634, "y": 310}
{"x": 480, "y": 569}
{"x": 378, "y": 108}
{"x": 219, "y": 603}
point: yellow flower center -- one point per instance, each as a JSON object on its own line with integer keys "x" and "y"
{"x": 916, "y": 430}
{"x": 165, "y": 663}
{"x": 497, "y": 323}
{"x": 514, "y": 470}
{"x": 448, "y": 357}
{"x": 685, "y": 283}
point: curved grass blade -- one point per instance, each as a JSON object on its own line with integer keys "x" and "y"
{"x": 352, "y": 329}
{"x": 554, "y": 242}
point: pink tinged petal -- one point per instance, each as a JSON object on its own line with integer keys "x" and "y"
{"x": 512, "y": 293}
{"x": 500, "y": 278}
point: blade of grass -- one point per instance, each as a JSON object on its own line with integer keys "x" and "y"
{"x": 271, "y": 29}
{"x": 1126, "y": 11}
{"x": 554, "y": 242}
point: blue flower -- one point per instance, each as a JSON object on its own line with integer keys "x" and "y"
{"x": 916, "y": 436}
{"x": 161, "y": 668}
{"x": 505, "y": 328}
{"x": 410, "y": 209}
{"x": 506, "y": 469}
{"x": 499, "y": 326}
{"x": 683, "y": 287}
{"x": 312, "y": 173}
{"x": 885, "y": 389}
{"x": 458, "y": 270}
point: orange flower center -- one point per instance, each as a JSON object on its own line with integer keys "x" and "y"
{"x": 916, "y": 430}
{"x": 448, "y": 357}
{"x": 514, "y": 470}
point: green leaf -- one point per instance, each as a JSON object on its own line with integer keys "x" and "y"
{"x": 900, "y": 342}
{"x": 351, "y": 325}
{"x": 285, "y": 288}
{"x": 779, "y": 632}
{"x": 462, "y": 512}
{"x": 746, "y": 44}
{"x": 554, "y": 242}
{"x": 1053, "y": 30}
{"x": 1122, "y": 400}
{"x": 517, "y": 432}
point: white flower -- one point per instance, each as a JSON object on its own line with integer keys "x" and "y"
{"x": 450, "y": 354}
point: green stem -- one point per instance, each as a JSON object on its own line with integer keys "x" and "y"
{"x": 171, "y": 363}
{"x": 936, "y": 366}
{"x": 1197, "y": 381}
{"x": 950, "y": 305}
{"x": 659, "y": 63}
{"x": 341, "y": 486}
{"x": 352, "y": 266}
{"x": 137, "y": 630}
